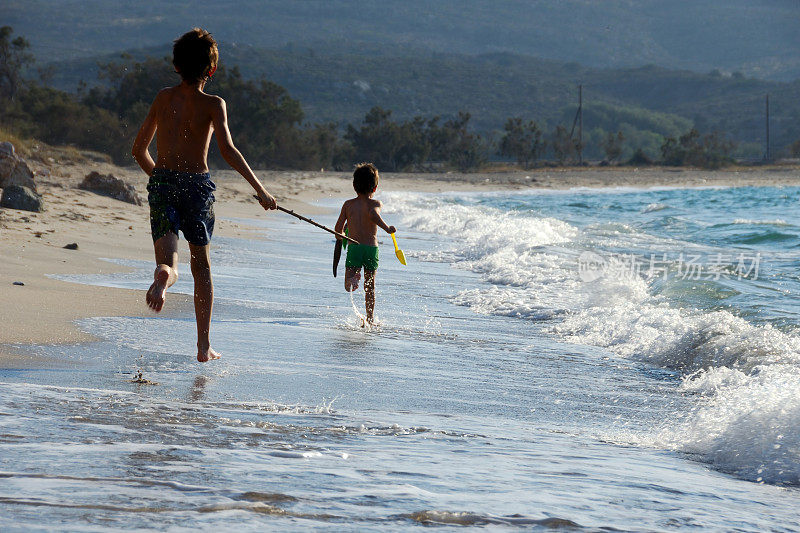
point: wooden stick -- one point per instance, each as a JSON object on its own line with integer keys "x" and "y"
{"x": 320, "y": 226}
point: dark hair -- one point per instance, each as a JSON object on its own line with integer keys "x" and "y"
{"x": 195, "y": 55}
{"x": 365, "y": 178}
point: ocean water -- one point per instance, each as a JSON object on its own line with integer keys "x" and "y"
{"x": 586, "y": 359}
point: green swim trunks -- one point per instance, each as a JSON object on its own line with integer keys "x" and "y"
{"x": 362, "y": 255}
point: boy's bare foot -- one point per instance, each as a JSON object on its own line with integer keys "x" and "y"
{"x": 206, "y": 355}
{"x": 158, "y": 290}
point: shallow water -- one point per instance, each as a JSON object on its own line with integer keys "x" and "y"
{"x": 501, "y": 389}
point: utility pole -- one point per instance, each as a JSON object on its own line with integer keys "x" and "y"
{"x": 767, "y": 155}
{"x": 578, "y": 120}
{"x": 580, "y": 124}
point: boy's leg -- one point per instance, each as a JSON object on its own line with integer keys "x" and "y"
{"x": 203, "y": 300}
{"x": 352, "y": 275}
{"x": 369, "y": 293}
{"x": 166, "y": 273}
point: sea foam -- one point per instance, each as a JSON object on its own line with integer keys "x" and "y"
{"x": 746, "y": 377}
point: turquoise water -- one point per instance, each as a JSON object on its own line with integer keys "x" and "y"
{"x": 591, "y": 359}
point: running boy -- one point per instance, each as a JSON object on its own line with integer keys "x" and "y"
{"x": 362, "y": 215}
{"x": 181, "y": 193}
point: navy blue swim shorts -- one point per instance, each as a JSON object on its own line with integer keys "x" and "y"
{"x": 181, "y": 201}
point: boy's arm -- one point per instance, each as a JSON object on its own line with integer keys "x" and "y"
{"x": 144, "y": 138}
{"x": 375, "y": 215}
{"x": 234, "y": 158}
{"x": 339, "y": 228}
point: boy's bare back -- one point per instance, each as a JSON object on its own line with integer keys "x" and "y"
{"x": 362, "y": 215}
{"x": 184, "y": 119}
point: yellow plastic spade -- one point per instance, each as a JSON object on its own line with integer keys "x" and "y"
{"x": 398, "y": 252}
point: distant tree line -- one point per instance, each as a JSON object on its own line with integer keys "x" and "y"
{"x": 525, "y": 143}
{"x": 268, "y": 126}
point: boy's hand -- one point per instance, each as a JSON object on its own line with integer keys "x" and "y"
{"x": 392, "y": 229}
{"x": 266, "y": 200}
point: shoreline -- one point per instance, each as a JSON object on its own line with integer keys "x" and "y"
{"x": 44, "y": 310}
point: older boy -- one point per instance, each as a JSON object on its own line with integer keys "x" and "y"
{"x": 362, "y": 215}
{"x": 180, "y": 189}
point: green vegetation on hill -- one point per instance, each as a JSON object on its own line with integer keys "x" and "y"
{"x": 269, "y": 124}
{"x": 342, "y": 88}
{"x": 641, "y": 128}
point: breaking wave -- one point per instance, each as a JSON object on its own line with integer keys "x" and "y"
{"x": 745, "y": 375}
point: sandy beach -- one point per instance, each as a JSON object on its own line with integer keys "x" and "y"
{"x": 32, "y": 244}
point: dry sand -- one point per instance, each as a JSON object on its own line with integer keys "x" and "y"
{"x": 43, "y": 311}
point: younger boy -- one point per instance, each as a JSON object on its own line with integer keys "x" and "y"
{"x": 181, "y": 193}
{"x": 362, "y": 215}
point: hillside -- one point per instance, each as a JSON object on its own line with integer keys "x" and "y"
{"x": 758, "y": 39}
{"x": 342, "y": 87}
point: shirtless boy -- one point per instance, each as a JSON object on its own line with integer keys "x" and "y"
{"x": 362, "y": 215}
{"x": 181, "y": 193}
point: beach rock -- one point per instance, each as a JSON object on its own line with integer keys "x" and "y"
{"x": 18, "y": 197}
{"x": 7, "y": 149}
{"x": 109, "y": 185}
{"x": 13, "y": 169}
{"x": 71, "y": 246}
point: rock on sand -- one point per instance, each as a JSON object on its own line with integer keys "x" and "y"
{"x": 18, "y": 197}
{"x": 13, "y": 169}
{"x": 108, "y": 185}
